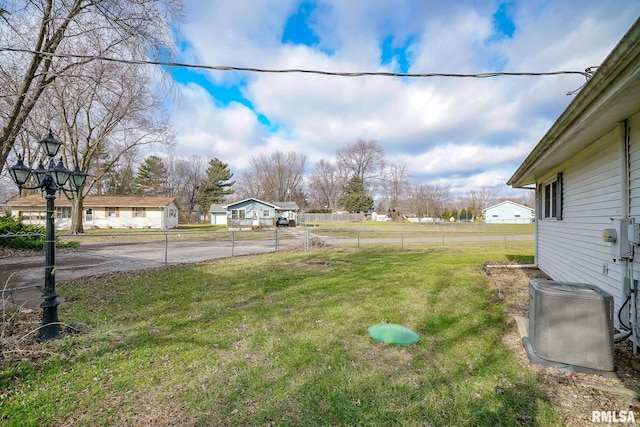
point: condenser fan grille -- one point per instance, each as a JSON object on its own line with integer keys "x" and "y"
{"x": 571, "y": 323}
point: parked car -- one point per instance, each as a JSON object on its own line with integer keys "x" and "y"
{"x": 282, "y": 222}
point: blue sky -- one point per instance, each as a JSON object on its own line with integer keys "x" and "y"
{"x": 466, "y": 133}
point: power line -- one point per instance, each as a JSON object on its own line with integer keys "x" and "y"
{"x": 587, "y": 73}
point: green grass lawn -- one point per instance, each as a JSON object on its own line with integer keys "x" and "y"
{"x": 281, "y": 339}
{"x": 374, "y": 229}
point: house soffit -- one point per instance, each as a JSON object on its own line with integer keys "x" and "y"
{"x": 608, "y": 98}
{"x": 602, "y": 118}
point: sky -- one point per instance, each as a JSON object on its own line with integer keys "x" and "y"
{"x": 463, "y": 133}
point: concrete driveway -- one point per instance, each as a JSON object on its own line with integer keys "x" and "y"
{"x": 22, "y": 278}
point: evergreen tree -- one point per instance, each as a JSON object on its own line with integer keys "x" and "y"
{"x": 354, "y": 197}
{"x": 121, "y": 182}
{"x": 152, "y": 176}
{"x": 216, "y": 185}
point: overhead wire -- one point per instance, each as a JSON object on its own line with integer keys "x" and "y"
{"x": 587, "y": 73}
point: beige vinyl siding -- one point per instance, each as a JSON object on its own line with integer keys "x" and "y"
{"x": 572, "y": 249}
{"x": 138, "y": 212}
{"x": 127, "y": 212}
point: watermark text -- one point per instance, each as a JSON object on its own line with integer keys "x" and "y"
{"x": 613, "y": 417}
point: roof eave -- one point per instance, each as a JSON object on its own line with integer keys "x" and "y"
{"x": 584, "y": 118}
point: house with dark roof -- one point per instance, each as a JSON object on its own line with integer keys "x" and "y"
{"x": 101, "y": 212}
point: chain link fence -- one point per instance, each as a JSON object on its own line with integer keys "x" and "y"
{"x": 427, "y": 239}
{"x": 22, "y": 255}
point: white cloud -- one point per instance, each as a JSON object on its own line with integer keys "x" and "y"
{"x": 210, "y": 131}
{"x": 462, "y": 131}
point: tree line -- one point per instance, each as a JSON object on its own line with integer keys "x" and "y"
{"x": 357, "y": 179}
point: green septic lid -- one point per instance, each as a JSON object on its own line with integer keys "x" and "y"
{"x": 394, "y": 334}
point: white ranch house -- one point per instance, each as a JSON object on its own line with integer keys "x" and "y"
{"x": 101, "y": 212}
{"x": 508, "y": 212}
{"x": 586, "y": 172}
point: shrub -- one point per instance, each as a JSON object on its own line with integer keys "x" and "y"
{"x": 22, "y": 236}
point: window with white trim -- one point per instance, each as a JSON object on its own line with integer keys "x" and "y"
{"x": 238, "y": 214}
{"x": 63, "y": 212}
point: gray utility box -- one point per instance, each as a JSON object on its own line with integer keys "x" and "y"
{"x": 571, "y": 323}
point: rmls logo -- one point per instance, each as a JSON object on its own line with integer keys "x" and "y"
{"x": 613, "y": 417}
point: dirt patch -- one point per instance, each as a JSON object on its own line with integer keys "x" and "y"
{"x": 12, "y": 253}
{"x": 575, "y": 395}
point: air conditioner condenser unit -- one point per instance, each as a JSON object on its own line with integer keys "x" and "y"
{"x": 570, "y": 324}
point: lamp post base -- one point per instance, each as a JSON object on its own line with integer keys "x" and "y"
{"x": 50, "y": 328}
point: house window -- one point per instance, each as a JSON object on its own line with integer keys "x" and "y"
{"x": 238, "y": 214}
{"x": 265, "y": 213}
{"x": 551, "y": 199}
{"x": 88, "y": 215}
{"x": 63, "y": 212}
{"x": 138, "y": 212}
{"x": 112, "y": 212}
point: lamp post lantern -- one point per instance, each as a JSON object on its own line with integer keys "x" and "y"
{"x": 50, "y": 180}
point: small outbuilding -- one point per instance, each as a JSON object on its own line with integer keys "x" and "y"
{"x": 508, "y": 212}
{"x": 218, "y": 214}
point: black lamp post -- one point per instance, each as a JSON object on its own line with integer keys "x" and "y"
{"x": 50, "y": 180}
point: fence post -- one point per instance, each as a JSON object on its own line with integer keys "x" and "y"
{"x": 402, "y": 239}
{"x": 358, "y": 234}
{"x": 306, "y": 241}
{"x": 166, "y": 249}
{"x": 276, "y": 238}
{"x": 233, "y": 243}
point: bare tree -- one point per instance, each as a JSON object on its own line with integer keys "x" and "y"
{"x": 325, "y": 185}
{"x": 37, "y": 30}
{"x": 527, "y": 199}
{"x": 363, "y": 159}
{"x": 428, "y": 201}
{"x": 184, "y": 180}
{"x": 277, "y": 177}
{"x": 395, "y": 186}
{"x": 103, "y": 116}
{"x": 248, "y": 185}
{"x": 479, "y": 199}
